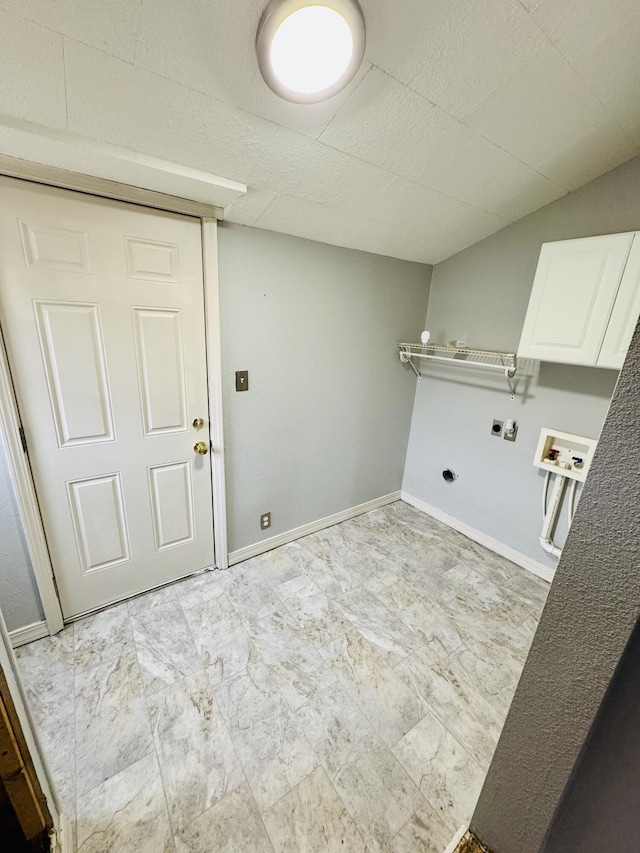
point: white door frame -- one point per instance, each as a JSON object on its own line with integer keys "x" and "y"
{"x": 61, "y": 825}
{"x": 10, "y": 421}
{"x": 214, "y": 378}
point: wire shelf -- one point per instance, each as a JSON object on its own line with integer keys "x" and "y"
{"x": 506, "y": 362}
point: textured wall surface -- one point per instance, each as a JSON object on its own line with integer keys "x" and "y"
{"x": 600, "y": 811}
{"x": 19, "y": 599}
{"x": 481, "y": 295}
{"x": 590, "y": 614}
{"x": 325, "y": 424}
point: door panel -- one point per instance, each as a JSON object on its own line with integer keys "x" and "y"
{"x": 624, "y": 316}
{"x": 51, "y": 248}
{"x": 102, "y": 308}
{"x": 152, "y": 261}
{"x": 172, "y": 504}
{"x": 158, "y": 334}
{"x": 97, "y": 509}
{"x": 76, "y": 371}
{"x": 573, "y": 292}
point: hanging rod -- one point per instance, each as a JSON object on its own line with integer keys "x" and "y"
{"x": 505, "y": 362}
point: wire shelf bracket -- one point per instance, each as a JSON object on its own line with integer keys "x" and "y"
{"x": 505, "y": 362}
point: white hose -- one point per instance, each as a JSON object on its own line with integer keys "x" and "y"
{"x": 545, "y": 492}
{"x": 572, "y": 501}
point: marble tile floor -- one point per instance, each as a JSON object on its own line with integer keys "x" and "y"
{"x": 343, "y": 692}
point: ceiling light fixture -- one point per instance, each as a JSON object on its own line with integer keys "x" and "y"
{"x": 309, "y": 51}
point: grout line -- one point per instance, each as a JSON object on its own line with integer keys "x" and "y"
{"x": 191, "y": 634}
{"x": 156, "y": 744}
{"x": 211, "y": 687}
{"x": 258, "y": 812}
{"x": 115, "y": 660}
{"x": 436, "y": 813}
{"x": 341, "y": 801}
{"x": 241, "y": 764}
{"x": 439, "y": 717}
{"x": 164, "y": 788}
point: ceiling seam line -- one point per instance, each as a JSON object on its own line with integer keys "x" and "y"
{"x": 462, "y": 123}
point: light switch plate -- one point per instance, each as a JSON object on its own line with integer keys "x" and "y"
{"x": 242, "y": 380}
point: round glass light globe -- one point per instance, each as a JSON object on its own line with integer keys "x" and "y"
{"x": 311, "y": 49}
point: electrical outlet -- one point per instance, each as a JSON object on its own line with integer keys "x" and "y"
{"x": 510, "y": 430}
{"x": 265, "y": 520}
{"x": 496, "y": 428}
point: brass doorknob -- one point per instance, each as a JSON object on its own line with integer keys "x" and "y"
{"x": 200, "y": 447}
{"x": 198, "y": 423}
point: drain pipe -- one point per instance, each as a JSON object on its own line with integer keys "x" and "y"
{"x": 550, "y": 513}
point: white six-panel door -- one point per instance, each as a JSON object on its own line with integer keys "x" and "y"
{"x": 101, "y": 305}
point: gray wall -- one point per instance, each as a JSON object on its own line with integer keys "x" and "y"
{"x": 325, "y": 424}
{"x": 19, "y": 599}
{"x": 481, "y": 294}
{"x": 600, "y": 811}
{"x": 590, "y": 615}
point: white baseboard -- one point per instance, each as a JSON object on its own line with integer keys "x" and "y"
{"x": 528, "y": 563}
{"x": 298, "y": 532}
{"x": 34, "y": 631}
{"x": 457, "y": 838}
{"x": 62, "y": 840}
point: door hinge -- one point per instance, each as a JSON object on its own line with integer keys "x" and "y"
{"x": 23, "y": 439}
{"x": 55, "y": 585}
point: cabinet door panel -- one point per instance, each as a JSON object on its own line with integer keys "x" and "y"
{"x": 573, "y": 293}
{"x": 624, "y": 316}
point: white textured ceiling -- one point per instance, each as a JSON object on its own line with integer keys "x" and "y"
{"x": 466, "y": 114}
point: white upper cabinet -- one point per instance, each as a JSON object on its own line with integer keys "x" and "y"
{"x": 582, "y": 301}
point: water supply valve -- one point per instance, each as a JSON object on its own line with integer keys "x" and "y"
{"x": 564, "y": 453}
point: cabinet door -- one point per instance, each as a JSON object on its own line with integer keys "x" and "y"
{"x": 573, "y": 293}
{"x": 624, "y": 316}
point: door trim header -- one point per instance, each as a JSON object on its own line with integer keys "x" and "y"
{"x": 14, "y": 167}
